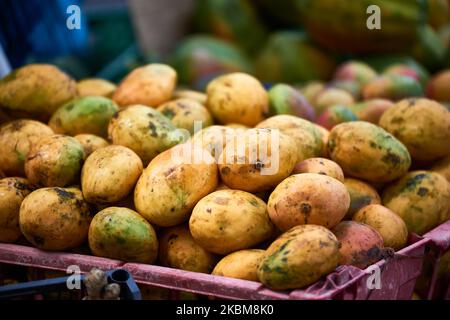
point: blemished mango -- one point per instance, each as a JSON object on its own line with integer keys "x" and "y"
{"x": 299, "y": 257}
{"x": 420, "y": 198}
{"x": 308, "y": 198}
{"x": 361, "y": 195}
{"x": 121, "y": 233}
{"x": 361, "y": 245}
{"x": 422, "y": 125}
{"x": 366, "y": 151}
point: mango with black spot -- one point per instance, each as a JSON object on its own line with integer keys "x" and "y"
{"x": 109, "y": 174}
{"x": 12, "y": 192}
{"x": 55, "y": 161}
{"x": 37, "y": 89}
{"x": 307, "y": 136}
{"x": 242, "y": 264}
{"x": 299, "y": 257}
{"x": 144, "y": 130}
{"x": 55, "y": 218}
{"x": 361, "y": 194}
{"x": 173, "y": 183}
{"x": 90, "y": 143}
{"x": 177, "y": 249}
{"x": 257, "y": 160}
{"x": 420, "y": 198}
{"x": 185, "y": 113}
{"x": 391, "y": 227}
{"x": 361, "y": 245}
{"x": 84, "y": 115}
{"x": 308, "y": 198}
{"x": 366, "y": 151}
{"x": 121, "y": 233}
{"x": 228, "y": 220}
{"x": 17, "y": 139}
{"x": 422, "y": 125}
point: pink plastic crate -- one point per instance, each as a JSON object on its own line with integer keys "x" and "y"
{"x": 430, "y": 286}
{"x": 398, "y": 275}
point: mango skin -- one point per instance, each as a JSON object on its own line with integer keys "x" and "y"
{"x": 17, "y": 138}
{"x": 308, "y": 198}
{"x": 393, "y": 87}
{"x": 422, "y": 125}
{"x": 67, "y": 217}
{"x": 180, "y": 184}
{"x": 228, "y": 220}
{"x": 355, "y": 71}
{"x": 421, "y": 199}
{"x": 320, "y": 166}
{"x": 95, "y": 87}
{"x": 237, "y": 98}
{"x": 330, "y": 97}
{"x": 109, "y": 174}
{"x": 198, "y": 96}
{"x": 121, "y": 233}
{"x": 442, "y": 167}
{"x": 439, "y": 87}
{"x": 84, "y": 115}
{"x": 250, "y": 175}
{"x": 38, "y": 89}
{"x": 334, "y": 115}
{"x": 144, "y": 130}
{"x": 361, "y": 245}
{"x": 242, "y": 264}
{"x": 389, "y": 225}
{"x": 361, "y": 195}
{"x": 214, "y": 139}
{"x": 177, "y": 249}
{"x": 184, "y": 112}
{"x": 299, "y": 258}
{"x": 150, "y": 85}
{"x": 306, "y": 134}
{"x": 90, "y": 143}
{"x": 284, "y": 99}
{"x": 12, "y": 192}
{"x": 371, "y": 110}
{"x": 366, "y": 151}
{"x": 55, "y": 161}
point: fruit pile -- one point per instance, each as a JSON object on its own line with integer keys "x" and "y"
{"x": 287, "y": 182}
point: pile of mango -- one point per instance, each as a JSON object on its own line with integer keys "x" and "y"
{"x": 358, "y": 163}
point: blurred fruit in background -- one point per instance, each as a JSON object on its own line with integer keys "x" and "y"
{"x": 232, "y": 20}
{"x": 341, "y": 25}
{"x": 291, "y": 57}
{"x": 200, "y": 58}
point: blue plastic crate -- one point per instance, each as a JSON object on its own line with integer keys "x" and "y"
{"x": 57, "y": 288}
